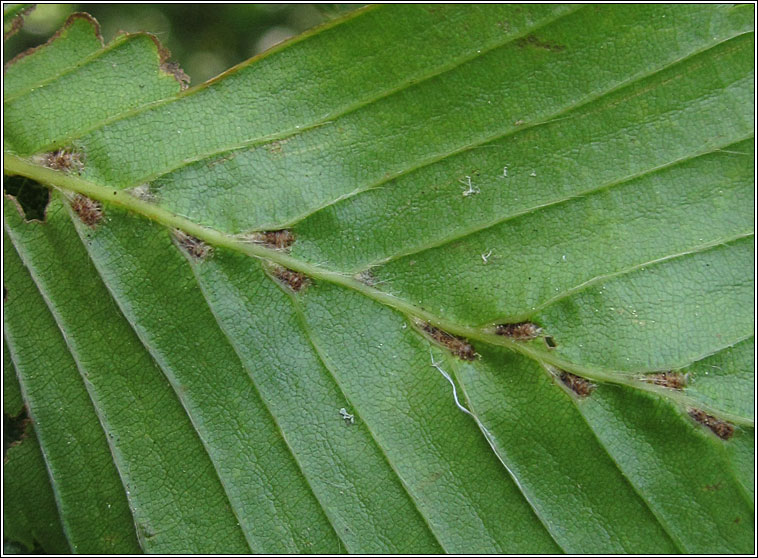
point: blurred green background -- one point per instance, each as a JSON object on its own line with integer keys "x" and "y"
{"x": 205, "y": 39}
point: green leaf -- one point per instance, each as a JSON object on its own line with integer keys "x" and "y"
{"x": 13, "y": 18}
{"x": 425, "y": 279}
{"x": 30, "y": 515}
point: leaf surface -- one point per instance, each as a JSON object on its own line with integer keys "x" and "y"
{"x": 30, "y": 513}
{"x": 442, "y": 170}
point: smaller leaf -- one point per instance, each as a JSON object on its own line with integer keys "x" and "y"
{"x": 13, "y": 18}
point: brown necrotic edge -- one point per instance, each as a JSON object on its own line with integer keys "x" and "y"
{"x": 168, "y": 67}
{"x": 18, "y": 22}
{"x": 71, "y": 19}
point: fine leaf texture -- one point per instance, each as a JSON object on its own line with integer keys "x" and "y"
{"x": 200, "y": 381}
{"x": 30, "y": 513}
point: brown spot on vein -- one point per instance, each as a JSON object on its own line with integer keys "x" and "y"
{"x": 459, "y": 346}
{"x": 276, "y": 240}
{"x": 294, "y": 280}
{"x": 15, "y": 428}
{"x": 521, "y": 331}
{"x": 89, "y": 211}
{"x": 194, "y": 247}
{"x": 580, "y": 386}
{"x": 720, "y": 428}
{"x": 669, "y": 379}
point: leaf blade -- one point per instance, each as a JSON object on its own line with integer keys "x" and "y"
{"x": 413, "y": 147}
{"x": 71, "y": 442}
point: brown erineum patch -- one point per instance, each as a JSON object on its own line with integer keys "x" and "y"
{"x": 521, "y": 331}
{"x": 276, "y": 240}
{"x": 194, "y": 247}
{"x": 580, "y": 386}
{"x": 719, "y": 427}
{"x": 459, "y": 346}
{"x": 367, "y": 277}
{"x": 90, "y": 212}
{"x": 536, "y": 42}
{"x": 64, "y": 159}
{"x": 669, "y": 379}
{"x": 294, "y": 280}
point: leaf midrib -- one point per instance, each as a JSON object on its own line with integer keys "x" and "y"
{"x": 587, "y": 101}
{"x": 17, "y": 165}
{"x": 480, "y": 227}
{"x": 348, "y": 282}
